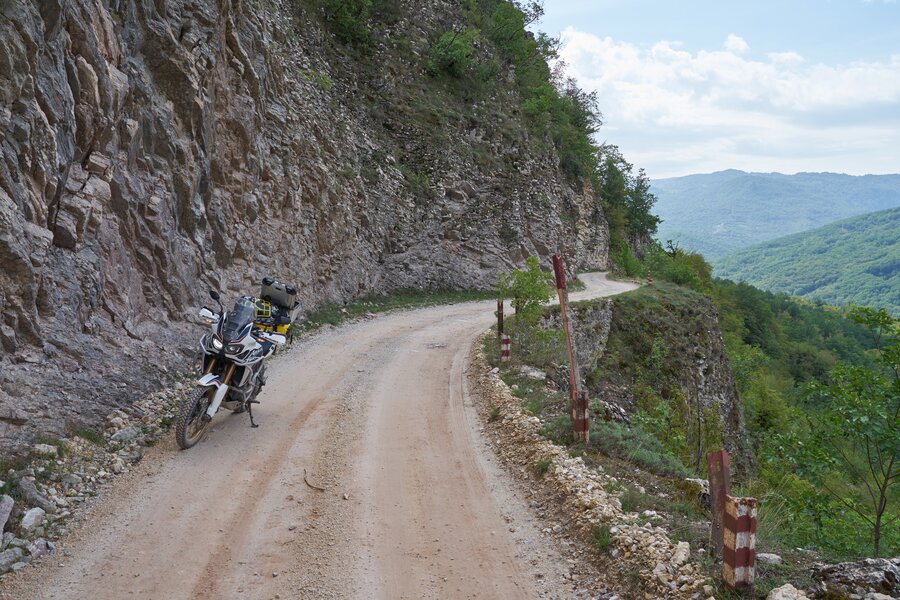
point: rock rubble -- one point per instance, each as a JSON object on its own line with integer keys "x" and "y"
{"x": 587, "y": 496}
{"x": 55, "y": 486}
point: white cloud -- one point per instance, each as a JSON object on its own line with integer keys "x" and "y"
{"x": 673, "y": 111}
{"x": 785, "y": 57}
{"x": 736, "y": 44}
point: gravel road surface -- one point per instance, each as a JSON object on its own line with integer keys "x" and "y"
{"x": 376, "y": 414}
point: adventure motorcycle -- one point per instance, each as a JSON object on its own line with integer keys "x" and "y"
{"x": 233, "y": 369}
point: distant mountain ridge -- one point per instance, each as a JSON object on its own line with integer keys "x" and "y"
{"x": 853, "y": 261}
{"x": 721, "y": 212}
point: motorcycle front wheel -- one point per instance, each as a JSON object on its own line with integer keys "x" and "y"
{"x": 191, "y": 425}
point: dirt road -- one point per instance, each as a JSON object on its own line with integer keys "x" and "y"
{"x": 376, "y": 413}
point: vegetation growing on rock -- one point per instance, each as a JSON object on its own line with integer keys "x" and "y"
{"x": 810, "y": 375}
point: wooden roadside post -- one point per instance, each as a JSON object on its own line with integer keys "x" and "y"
{"x": 579, "y": 398}
{"x": 505, "y": 344}
{"x": 500, "y": 318}
{"x": 719, "y": 488}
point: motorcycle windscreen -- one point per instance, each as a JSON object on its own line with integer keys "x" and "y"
{"x": 238, "y": 318}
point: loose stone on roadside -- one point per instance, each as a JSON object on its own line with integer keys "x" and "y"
{"x": 663, "y": 568}
{"x": 33, "y": 519}
{"x": 32, "y": 497}
{"x": 44, "y": 450}
{"x": 9, "y": 557}
{"x": 6, "y": 506}
{"x": 769, "y": 558}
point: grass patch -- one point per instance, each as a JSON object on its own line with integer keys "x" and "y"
{"x": 559, "y": 431}
{"x": 335, "y": 314}
{"x": 7, "y": 488}
{"x": 601, "y": 538}
{"x": 634, "y": 501}
{"x": 495, "y": 414}
{"x": 533, "y": 399}
{"x": 542, "y": 466}
{"x": 13, "y": 463}
{"x": 575, "y": 285}
{"x": 637, "y": 446}
{"x": 91, "y": 435}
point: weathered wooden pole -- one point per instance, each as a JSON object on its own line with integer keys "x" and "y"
{"x": 578, "y": 398}
{"x": 719, "y": 488}
{"x": 500, "y": 318}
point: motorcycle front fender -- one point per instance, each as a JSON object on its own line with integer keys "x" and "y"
{"x": 212, "y": 380}
{"x": 209, "y": 379}
{"x": 217, "y": 400}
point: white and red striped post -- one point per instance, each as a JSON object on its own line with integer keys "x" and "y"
{"x": 504, "y": 348}
{"x": 739, "y": 548}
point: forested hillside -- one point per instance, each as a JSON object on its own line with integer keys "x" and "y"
{"x": 719, "y": 213}
{"x": 854, "y": 261}
{"x": 818, "y": 386}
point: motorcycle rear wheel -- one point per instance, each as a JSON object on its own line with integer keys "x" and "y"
{"x": 190, "y": 426}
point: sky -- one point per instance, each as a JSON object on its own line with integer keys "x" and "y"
{"x": 699, "y": 86}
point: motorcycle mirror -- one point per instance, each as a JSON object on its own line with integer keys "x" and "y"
{"x": 214, "y": 295}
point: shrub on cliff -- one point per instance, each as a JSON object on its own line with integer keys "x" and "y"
{"x": 348, "y": 19}
{"x": 451, "y": 54}
{"x": 529, "y": 289}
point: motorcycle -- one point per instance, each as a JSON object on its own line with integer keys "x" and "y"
{"x": 233, "y": 368}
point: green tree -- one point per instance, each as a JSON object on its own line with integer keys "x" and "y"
{"x": 529, "y": 289}
{"x": 852, "y": 445}
{"x": 626, "y": 198}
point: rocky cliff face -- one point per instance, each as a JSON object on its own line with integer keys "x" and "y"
{"x": 152, "y": 149}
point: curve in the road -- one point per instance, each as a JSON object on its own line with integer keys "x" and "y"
{"x": 374, "y": 412}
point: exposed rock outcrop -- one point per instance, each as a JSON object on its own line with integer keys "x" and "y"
{"x": 662, "y": 344}
{"x": 858, "y": 579}
{"x": 151, "y": 150}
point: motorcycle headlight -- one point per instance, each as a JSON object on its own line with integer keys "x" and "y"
{"x": 216, "y": 343}
{"x": 233, "y": 348}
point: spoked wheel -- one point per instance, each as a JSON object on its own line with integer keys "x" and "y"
{"x": 190, "y": 426}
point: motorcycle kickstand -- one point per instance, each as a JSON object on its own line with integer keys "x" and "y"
{"x": 250, "y": 404}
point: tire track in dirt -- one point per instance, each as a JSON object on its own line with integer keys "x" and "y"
{"x": 222, "y": 559}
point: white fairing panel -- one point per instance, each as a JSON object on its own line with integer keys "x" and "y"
{"x": 217, "y": 400}
{"x": 209, "y": 379}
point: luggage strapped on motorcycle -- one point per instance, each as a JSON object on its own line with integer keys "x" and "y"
{"x": 277, "y": 307}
